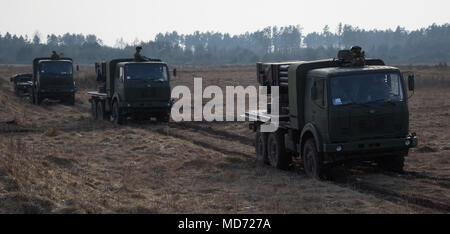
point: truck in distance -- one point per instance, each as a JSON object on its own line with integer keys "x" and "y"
{"x": 130, "y": 88}
{"x": 53, "y": 79}
{"x": 335, "y": 110}
{"x": 21, "y": 82}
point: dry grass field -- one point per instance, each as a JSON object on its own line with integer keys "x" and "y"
{"x": 56, "y": 159}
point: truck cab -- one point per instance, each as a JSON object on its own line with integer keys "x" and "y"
{"x": 358, "y": 111}
{"x": 136, "y": 89}
{"x": 142, "y": 85}
{"x": 52, "y": 78}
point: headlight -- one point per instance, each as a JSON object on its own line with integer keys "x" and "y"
{"x": 407, "y": 142}
{"x": 339, "y": 148}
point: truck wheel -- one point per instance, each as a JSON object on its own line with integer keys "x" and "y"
{"x": 16, "y": 91}
{"x": 94, "y": 109}
{"x": 31, "y": 97}
{"x": 261, "y": 147}
{"x": 393, "y": 164}
{"x": 118, "y": 119}
{"x": 276, "y": 151}
{"x": 100, "y": 109}
{"x": 164, "y": 118}
{"x": 37, "y": 99}
{"x": 312, "y": 161}
{"x": 71, "y": 100}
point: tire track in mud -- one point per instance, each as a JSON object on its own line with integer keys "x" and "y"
{"x": 390, "y": 195}
{"x": 220, "y": 133}
{"x": 200, "y": 143}
{"x": 42, "y": 129}
{"x": 347, "y": 182}
{"x": 411, "y": 175}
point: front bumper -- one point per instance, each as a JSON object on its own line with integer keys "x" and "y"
{"x": 56, "y": 93}
{"x": 151, "y": 107}
{"x": 368, "y": 148}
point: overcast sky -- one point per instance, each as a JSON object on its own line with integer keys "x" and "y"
{"x": 131, "y": 19}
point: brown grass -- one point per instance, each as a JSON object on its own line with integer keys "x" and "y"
{"x": 70, "y": 163}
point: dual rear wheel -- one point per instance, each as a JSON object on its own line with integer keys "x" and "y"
{"x": 98, "y": 111}
{"x": 270, "y": 150}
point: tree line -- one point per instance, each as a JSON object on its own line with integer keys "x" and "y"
{"x": 428, "y": 45}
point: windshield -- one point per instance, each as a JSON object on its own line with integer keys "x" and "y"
{"x": 366, "y": 88}
{"x": 55, "y": 68}
{"x": 146, "y": 71}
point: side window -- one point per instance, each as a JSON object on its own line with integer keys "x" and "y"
{"x": 318, "y": 94}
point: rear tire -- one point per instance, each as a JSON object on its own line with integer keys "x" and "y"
{"x": 31, "y": 96}
{"x": 276, "y": 151}
{"x": 261, "y": 147}
{"x": 392, "y": 164}
{"x": 312, "y": 161}
{"x": 94, "y": 108}
{"x": 100, "y": 109}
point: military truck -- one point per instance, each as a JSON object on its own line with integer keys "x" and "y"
{"x": 332, "y": 111}
{"x": 129, "y": 88}
{"x": 53, "y": 79}
{"x": 22, "y": 82}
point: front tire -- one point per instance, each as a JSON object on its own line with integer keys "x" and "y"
{"x": 165, "y": 117}
{"x": 118, "y": 119}
{"x": 276, "y": 151}
{"x": 312, "y": 161}
{"x": 37, "y": 99}
{"x": 71, "y": 100}
{"x": 392, "y": 164}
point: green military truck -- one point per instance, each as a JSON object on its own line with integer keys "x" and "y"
{"x": 53, "y": 79}
{"x": 334, "y": 110}
{"x": 21, "y": 82}
{"x": 129, "y": 88}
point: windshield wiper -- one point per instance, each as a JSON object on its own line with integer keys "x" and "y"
{"x": 355, "y": 103}
{"x": 159, "y": 80}
{"x": 389, "y": 101}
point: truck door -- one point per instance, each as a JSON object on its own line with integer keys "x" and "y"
{"x": 319, "y": 105}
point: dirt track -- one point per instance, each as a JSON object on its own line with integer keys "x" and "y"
{"x": 55, "y": 158}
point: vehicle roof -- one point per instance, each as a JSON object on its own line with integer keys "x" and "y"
{"x": 56, "y": 60}
{"x": 149, "y": 62}
{"x": 339, "y": 71}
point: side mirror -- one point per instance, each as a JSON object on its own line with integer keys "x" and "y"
{"x": 121, "y": 75}
{"x": 411, "y": 82}
{"x": 174, "y": 72}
